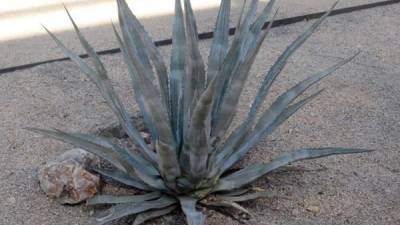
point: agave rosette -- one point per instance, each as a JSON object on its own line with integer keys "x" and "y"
{"x": 187, "y": 110}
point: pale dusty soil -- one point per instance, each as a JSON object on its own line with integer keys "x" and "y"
{"x": 94, "y": 17}
{"x": 359, "y": 108}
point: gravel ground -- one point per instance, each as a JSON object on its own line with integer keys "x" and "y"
{"x": 359, "y": 108}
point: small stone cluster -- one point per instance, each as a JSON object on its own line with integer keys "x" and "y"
{"x": 68, "y": 179}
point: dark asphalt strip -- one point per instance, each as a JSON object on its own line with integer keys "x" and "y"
{"x": 208, "y": 35}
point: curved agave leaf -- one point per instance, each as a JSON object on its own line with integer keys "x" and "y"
{"x": 220, "y": 43}
{"x": 228, "y": 204}
{"x": 145, "y": 216}
{"x": 137, "y": 89}
{"x": 230, "y": 61}
{"x": 133, "y": 163}
{"x": 245, "y": 197}
{"x": 280, "y": 64}
{"x": 193, "y": 217}
{"x": 178, "y": 67}
{"x": 112, "y": 199}
{"x": 73, "y": 56}
{"x": 248, "y": 19}
{"x": 91, "y": 52}
{"x": 140, "y": 70}
{"x": 268, "y": 117}
{"x": 124, "y": 178}
{"x": 107, "y": 154}
{"x": 286, "y": 114}
{"x": 128, "y": 22}
{"x": 226, "y": 158}
{"x": 196, "y": 146}
{"x": 135, "y": 160}
{"x": 252, "y": 173}
{"x": 103, "y": 83}
{"x": 232, "y": 193}
{"x": 201, "y": 112}
{"x": 228, "y": 105}
{"x": 148, "y": 46}
{"x": 296, "y": 91}
{"x": 145, "y": 47}
{"x": 195, "y": 81}
{"x": 146, "y": 172}
{"x": 194, "y": 153}
{"x": 110, "y": 152}
{"x": 169, "y": 164}
{"x": 285, "y": 99}
{"x": 263, "y": 17}
{"x": 197, "y": 140}
{"x": 270, "y": 77}
{"x": 126, "y": 209}
{"x": 239, "y": 21}
{"x": 165, "y": 144}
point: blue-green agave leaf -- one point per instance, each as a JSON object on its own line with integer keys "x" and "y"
{"x": 113, "y": 199}
{"x": 178, "y": 73}
{"x": 262, "y": 18}
{"x": 199, "y": 124}
{"x": 280, "y": 64}
{"x": 110, "y": 152}
{"x": 245, "y": 197}
{"x": 140, "y": 71}
{"x": 126, "y": 209}
{"x": 195, "y": 80}
{"x": 239, "y": 20}
{"x": 252, "y": 173}
{"x": 219, "y": 84}
{"x": 248, "y": 19}
{"x": 267, "y": 130}
{"x": 220, "y": 43}
{"x": 107, "y": 154}
{"x": 91, "y": 52}
{"x": 237, "y": 51}
{"x": 137, "y": 89}
{"x": 145, "y": 47}
{"x": 273, "y": 113}
{"x": 193, "y": 217}
{"x": 225, "y": 203}
{"x": 122, "y": 177}
{"x": 132, "y": 158}
{"x": 233, "y": 193}
{"x": 165, "y": 142}
{"x": 285, "y": 99}
{"x": 126, "y": 21}
{"x": 230, "y": 100}
{"x": 103, "y": 83}
{"x": 73, "y": 56}
{"x": 195, "y": 148}
{"x": 152, "y": 214}
{"x": 140, "y": 100}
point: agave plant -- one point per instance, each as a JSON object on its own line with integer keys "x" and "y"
{"x": 188, "y": 111}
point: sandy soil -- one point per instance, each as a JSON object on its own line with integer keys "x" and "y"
{"x": 37, "y": 46}
{"x": 359, "y": 108}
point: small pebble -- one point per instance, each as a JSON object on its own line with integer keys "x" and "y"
{"x": 314, "y": 209}
{"x": 146, "y": 136}
{"x": 12, "y": 200}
